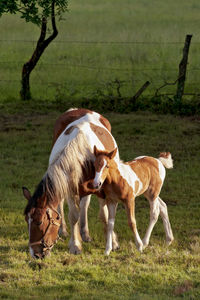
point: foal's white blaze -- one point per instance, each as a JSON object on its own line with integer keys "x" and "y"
{"x": 29, "y": 229}
{"x": 97, "y": 179}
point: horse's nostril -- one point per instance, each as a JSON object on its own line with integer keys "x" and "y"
{"x": 37, "y": 256}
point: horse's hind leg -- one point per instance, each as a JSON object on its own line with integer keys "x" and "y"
{"x": 75, "y": 240}
{"x": 166, "y": 223}
{"x": 84, "y": 230}
{"x": 63, "y": 227}
{"x": 154, "y": 214}
{"x": 103, "y": 215}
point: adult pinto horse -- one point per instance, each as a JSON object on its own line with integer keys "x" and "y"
{"x": 71, "y": 163}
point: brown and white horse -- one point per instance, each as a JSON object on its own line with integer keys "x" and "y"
{"x": 123, "y": 182}
{"x": 71, "y": 162}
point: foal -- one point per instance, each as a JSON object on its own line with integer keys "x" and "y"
{"x": 125, "y": 181}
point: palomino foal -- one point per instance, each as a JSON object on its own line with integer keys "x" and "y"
{"x": 124, "y": 181}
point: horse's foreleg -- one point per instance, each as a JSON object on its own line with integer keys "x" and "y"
{"x": 75, "y": 240}
{"x": 154, "y": 214}
{"x": 63, "y": 227}
{"x": 111, "y": 221}
{"x": 166, "y": 223}
{"x": 84, "y": 230}
{"x": 103, "y": 215}
{"x": 130, "y": 209}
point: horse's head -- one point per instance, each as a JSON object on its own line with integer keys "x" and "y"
{"x": 43, "y": 223}
{"x": 102, "y": 164}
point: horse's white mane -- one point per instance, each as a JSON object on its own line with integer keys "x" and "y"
{"x": 66, "y": 172}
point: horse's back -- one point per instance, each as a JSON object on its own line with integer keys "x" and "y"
{"x": 76, "y": 116}
{"x": 93, "y": 127}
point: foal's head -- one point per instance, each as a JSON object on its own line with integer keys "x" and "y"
{"x": 43, "y": 222}
{"x": 102, "y": 165}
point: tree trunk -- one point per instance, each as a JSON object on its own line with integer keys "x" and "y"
{"x": 41, "y": 46}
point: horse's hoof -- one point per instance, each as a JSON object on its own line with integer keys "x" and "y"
{"x": 85, "y": 237}
{"x": 75, "y": 250}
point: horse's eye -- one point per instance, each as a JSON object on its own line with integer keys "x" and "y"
{"x": 58, "y": 217}
{"x": 107, "y": 166}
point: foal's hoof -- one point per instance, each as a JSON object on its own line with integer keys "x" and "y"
{"x": 140, "y": 247}
{"x": 115, "y": 246}
{"x": 169, "y": 241}
{"x": 107, "y": 252}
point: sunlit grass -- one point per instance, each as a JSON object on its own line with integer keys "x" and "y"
{"x": 158, "y": 273}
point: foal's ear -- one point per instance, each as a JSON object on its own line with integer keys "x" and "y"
{"x": 26, "y": 193}
{"x": 96, "y": 151}
{"x": 112, "y": 154}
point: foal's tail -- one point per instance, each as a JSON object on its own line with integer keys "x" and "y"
{"x": 166, "y": 159}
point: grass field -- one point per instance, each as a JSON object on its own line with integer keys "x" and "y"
{"x": 159, "y": 273}
{"x": 72, "y": 67}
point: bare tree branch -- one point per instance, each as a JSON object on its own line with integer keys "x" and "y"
{"x": 166, "y": 84}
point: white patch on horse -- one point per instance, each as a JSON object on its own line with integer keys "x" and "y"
{"x": 29, "y": 229}
{"x": 97, "y": 178}
{"x": 83, "y": 124}
{"x": 140, "y": 157}
{"x": 60, "y": 144}
{"x": 130, "y": 176}
{"x": 162, "y": 171}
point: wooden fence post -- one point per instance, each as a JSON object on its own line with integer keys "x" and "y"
{"x": 141, "y": 90}
{"x": 183, "y": 68}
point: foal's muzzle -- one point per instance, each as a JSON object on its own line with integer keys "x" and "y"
{"x": 97, "y": 186}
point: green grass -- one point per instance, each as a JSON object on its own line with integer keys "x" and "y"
{"x": 159, "y": 273}
{"x": 63, "y": 69}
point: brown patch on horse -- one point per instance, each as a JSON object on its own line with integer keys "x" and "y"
{"x": 137, "y": 185}
{"x": 66, "y": 118}
{"x": 69, "y": 130}
{"x": 103, "y": 136}
{"x": 147, "y": 171}
{"x": 105, "y": 123}
{"x": 72, "y": 115}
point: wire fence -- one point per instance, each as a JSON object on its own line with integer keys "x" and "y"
{"x": 134, "y": 74}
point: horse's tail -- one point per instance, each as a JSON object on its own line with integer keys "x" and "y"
{"x": 166, "y": 159}
{"x": 66, "y": 172}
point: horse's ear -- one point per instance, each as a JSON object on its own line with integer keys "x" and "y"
{"x": 96, "y": 151}
{"x": 26, "y": 193}
{"x": 112, "y": 154}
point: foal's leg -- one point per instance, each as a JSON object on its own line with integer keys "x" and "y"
{"x": 63, "y": 227}
{"x": 111, "y": 221}
{"x": 103, "y": 215}
{"x": 166, "y": 223}
{"x": 130, "y": 209}
{"x": 154, "y": 213}
{"x": 84, "y": 203}
{"x": 75, "y": 240}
